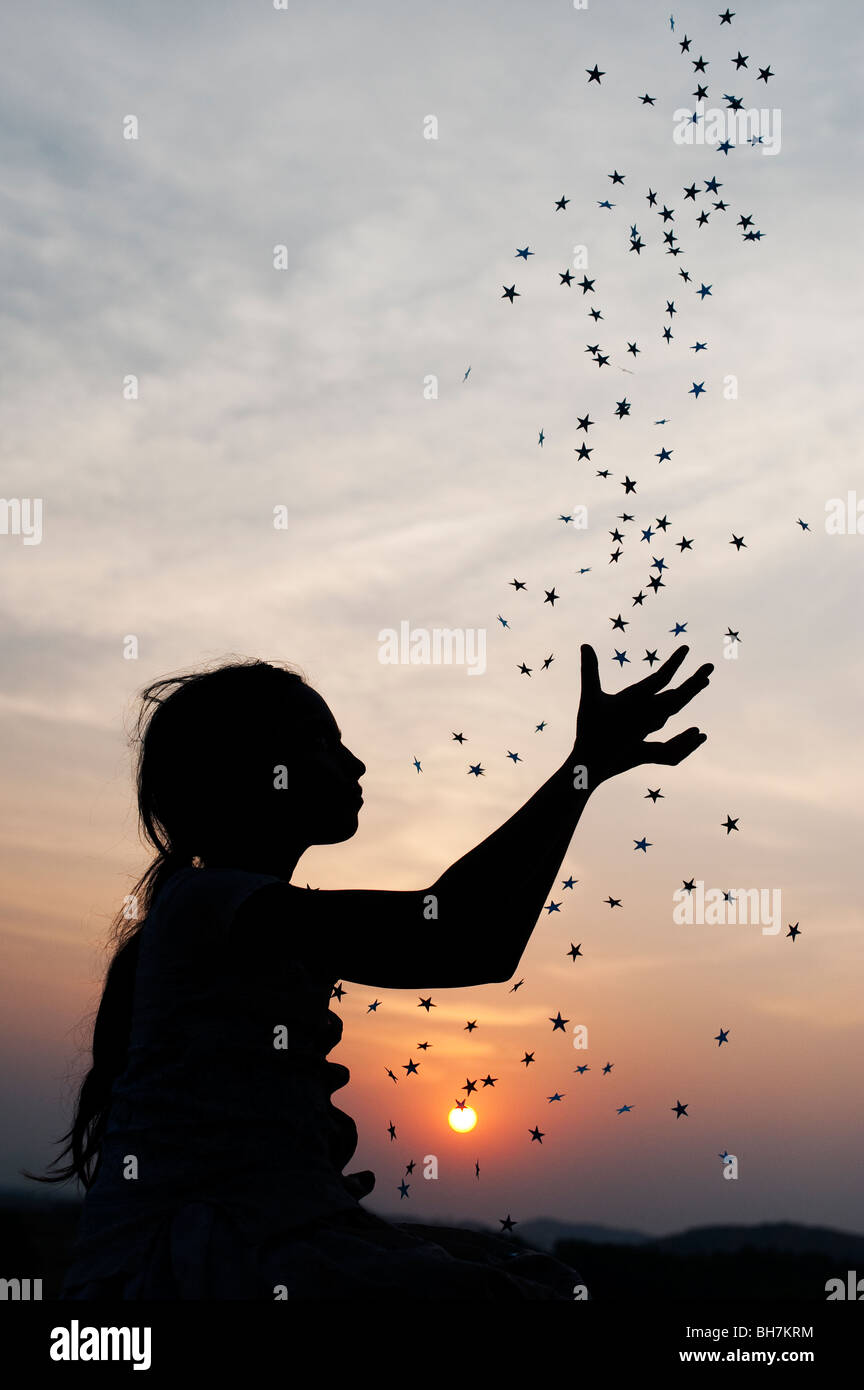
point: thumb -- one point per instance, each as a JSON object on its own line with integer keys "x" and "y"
{"x": 590, "y": 672}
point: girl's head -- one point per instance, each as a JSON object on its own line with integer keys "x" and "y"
{"x": 240, "y": 765}
{"x": 243, "y": 764}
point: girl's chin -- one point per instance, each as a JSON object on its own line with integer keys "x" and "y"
{"x": 333, "y": 834}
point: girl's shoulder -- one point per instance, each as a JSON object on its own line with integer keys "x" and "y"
{"x": 255, "y": 917}
{"x": 214, "y": 894}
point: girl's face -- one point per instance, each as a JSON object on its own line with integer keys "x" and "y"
{"x": 323, "y": 788}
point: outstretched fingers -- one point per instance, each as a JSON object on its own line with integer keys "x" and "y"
{"x": 675, "y": 700}
{"x": 675, "y": 750}
{"x": 663, "y": 675}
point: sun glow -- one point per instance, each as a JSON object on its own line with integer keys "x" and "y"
{"x": 462, "y": 1120}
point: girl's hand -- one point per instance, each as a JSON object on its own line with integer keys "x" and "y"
{"x": 611, "y": 729}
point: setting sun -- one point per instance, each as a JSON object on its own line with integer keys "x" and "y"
{"x": 462, "y": 1119}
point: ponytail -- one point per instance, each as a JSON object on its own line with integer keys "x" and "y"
{"x": 111, "y": 1033}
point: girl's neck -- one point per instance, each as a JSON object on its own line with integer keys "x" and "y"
{"x": 280, "y": 861}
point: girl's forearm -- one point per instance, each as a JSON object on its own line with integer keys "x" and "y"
{"x": 522, "y": 858}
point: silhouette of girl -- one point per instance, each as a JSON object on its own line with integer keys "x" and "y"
{"x": 204, "y": 1134}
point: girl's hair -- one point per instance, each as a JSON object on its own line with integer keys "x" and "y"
{"x": 203, "y": 742}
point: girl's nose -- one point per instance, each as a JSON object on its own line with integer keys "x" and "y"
{"x": 357, "y": 766}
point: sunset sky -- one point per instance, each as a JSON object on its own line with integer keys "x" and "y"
{"x": 303, "y": 388}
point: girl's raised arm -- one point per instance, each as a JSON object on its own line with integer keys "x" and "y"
{"x": 473, "y": 923}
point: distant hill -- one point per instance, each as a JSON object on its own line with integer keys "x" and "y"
{"x": 545, "y": 1233}
{"x": 781, "y": 1260}
{"x": 782, "y": 1238}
